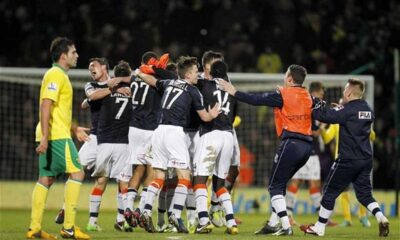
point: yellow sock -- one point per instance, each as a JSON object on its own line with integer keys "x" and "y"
{"x": 72, "y": 188}
{"x": 345, "y": 202}
{"x": 39, "y": 197}
{"x": 362, "y": 211}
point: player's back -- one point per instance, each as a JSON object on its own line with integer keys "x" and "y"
{"x": 178, "y": 97}
{"x": 145, "y": 105}
{"x": 193, "y": 119}
{"x": 213, "y": 94}
{"x": 115, "y": 115}
{"x": 354, "y": 133}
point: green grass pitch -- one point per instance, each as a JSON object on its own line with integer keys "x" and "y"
{"x": 14, "y": 223}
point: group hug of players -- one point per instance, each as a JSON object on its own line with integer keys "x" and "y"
{"x": 168, "y": 128}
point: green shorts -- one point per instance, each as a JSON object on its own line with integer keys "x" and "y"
{"x": 61, "y": 157}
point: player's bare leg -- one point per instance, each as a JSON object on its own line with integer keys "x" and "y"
{"x": 231, "y": 178}
{"x": 230, "y": 183}
{"x": 216, "y": 213}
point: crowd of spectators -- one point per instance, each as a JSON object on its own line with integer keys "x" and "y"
{"x": 333, "y": 37}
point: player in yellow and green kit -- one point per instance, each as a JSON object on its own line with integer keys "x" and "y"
{"x": 57, "y": 152}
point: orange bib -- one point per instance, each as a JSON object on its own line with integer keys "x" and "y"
{"x": 295, "y": 115}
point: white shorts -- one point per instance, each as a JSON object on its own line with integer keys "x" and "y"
{"x": 140, "y": 146}
{"x": 236, "y": 151}
{"x": 310, "y": 171}
{"x": 214, "y": 154}
{"x": 88, "y": 152}
{"x": 112, "y": 159}
{"x": 126, "y": 173}
{"x": 170, "y": 148}
{"x": 192, "y": 140}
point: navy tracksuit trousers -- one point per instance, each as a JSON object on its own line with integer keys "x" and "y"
{"x": 292, "y": 154}
{"x": 342, "y": 173}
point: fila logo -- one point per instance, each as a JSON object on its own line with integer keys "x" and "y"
{"x": 364, "y": 115}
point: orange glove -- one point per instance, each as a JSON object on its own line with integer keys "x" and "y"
{"x": 148, "y": 69}
{"x": 152, "y": 61}
{"x": 162, "y": 63}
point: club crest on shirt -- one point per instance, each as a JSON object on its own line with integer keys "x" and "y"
{"x": 52, "y": 86}
{"x": 276, "y": 158}
{"x": 338, "y": 107}
{"x": 364, "y": 115}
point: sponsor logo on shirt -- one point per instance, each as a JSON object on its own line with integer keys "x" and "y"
{"x": 52, "y": 86}
{"x": 299, "y": 117}
{"x": 364, "y": 115}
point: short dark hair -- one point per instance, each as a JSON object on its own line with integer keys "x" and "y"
{"x": 357, "y": 82}
{"x": 58, "y": 46}
{"x": 102, "y": 61}
{"x": 184, "y": 64}
{"x": 122, "y": 69}
{"x": 219, "y": 69}
{"x": 315, "y": 87}
{"x": 209, "y": 55}
{"x": 298, "y": 73}
{"x": 147, "y": 56}
{"x": 171, "y": 67}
